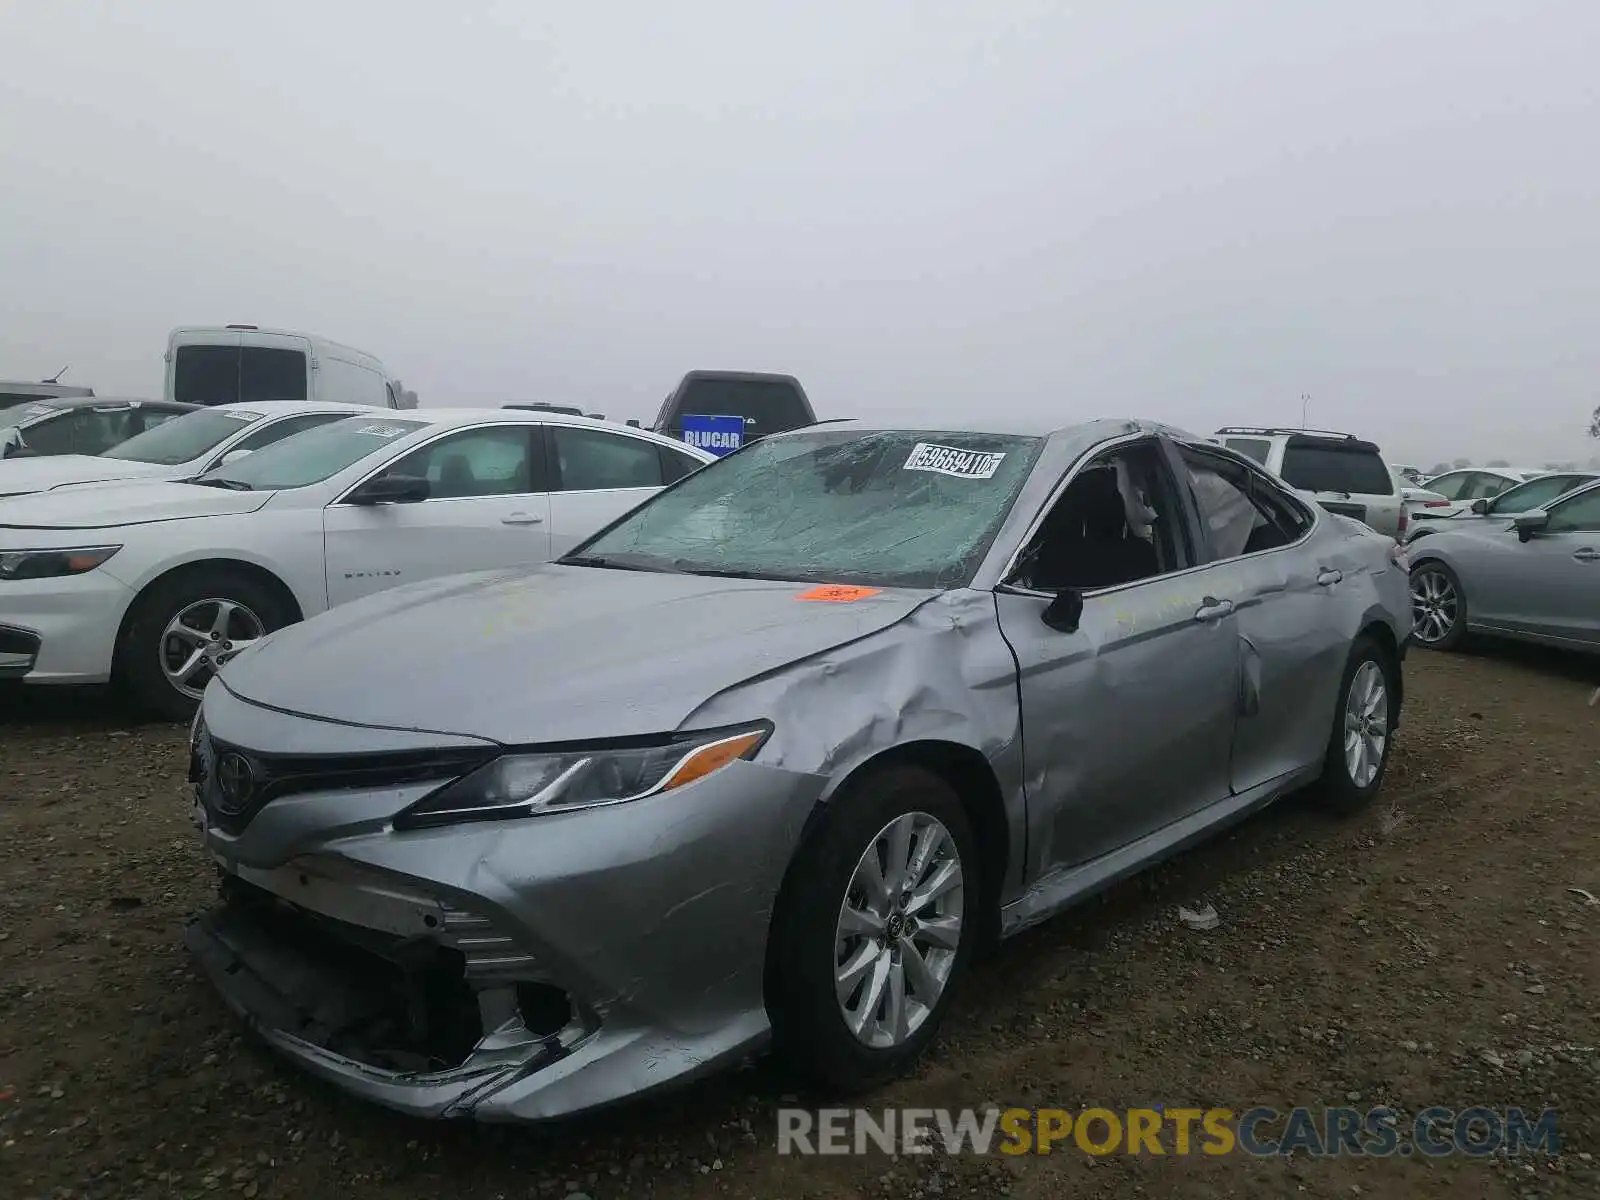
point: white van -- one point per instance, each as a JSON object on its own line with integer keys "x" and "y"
{"x": 244, "y": 364}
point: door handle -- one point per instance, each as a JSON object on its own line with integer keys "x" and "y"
{"x": 1212, "y": 609}
{"x": 521, "y": 519}
{"x": 1587, "y": 554}
{"x": 1329, "y": 577}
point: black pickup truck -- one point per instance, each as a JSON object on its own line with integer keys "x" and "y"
{"x": 702, "y": 409}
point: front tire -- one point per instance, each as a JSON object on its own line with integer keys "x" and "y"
{"x": 1363, "y": 729}
{"x": 1438, "y": 606}
{"x": 182, "y": 628}
{"x": 875, "y": 929}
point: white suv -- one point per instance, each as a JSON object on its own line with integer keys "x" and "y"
{"x": 1339, "y": 471}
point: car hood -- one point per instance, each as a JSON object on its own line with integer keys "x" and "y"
{"x": 19, "y": 475}
{"x": 549, "y": 653}
{"x": 130, "y": 503}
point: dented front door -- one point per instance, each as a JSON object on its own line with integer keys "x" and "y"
{"x": 1127, "y": 722}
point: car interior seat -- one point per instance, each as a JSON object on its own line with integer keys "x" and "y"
{"x": 456, "y": 477}
{"x": 1085, "y": 541}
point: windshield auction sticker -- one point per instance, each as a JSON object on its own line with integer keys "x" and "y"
{"x": 838, "y": 593}
{"x": 383, "y": 431}
{"x": 947, "y": 460}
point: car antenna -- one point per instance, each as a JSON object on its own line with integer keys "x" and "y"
{"x": 56, "y": 378}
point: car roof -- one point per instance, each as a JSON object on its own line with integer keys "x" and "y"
{"x": 1096, "y": 429}
{"x": 33, "y": 389}
{"x": 278, "y": 408}
{"x": 451, "y": 417}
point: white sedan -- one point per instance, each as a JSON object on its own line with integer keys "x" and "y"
{"x": 1459, "y": 488}
{"x": 153, "y": 585}
{"x": 176, "y": 449}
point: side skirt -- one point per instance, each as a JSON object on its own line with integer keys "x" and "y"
{"x": 1062, "y": 888}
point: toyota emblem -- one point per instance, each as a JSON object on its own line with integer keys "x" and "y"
{"x": 236, "y": 783}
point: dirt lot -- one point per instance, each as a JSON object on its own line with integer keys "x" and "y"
{"x": 1428, "y": 952}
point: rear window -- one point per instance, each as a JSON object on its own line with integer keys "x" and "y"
{"x": 768, "y": 406}
{"x": 213, "y": 375}
{"x": 1334, "y": 468}
{"x": 270, "y": 374}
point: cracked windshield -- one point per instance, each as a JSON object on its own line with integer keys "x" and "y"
{"x": 910, "y": 509}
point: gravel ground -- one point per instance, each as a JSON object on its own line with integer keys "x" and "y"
{"x": 1427, "y": 952}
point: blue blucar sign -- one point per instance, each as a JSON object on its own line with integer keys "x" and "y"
{"x": 719, "y": 435}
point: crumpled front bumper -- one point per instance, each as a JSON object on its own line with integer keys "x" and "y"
{"x": 651, "y": 916}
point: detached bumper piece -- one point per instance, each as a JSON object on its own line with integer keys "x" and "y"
{"x": 394, "y": 1020}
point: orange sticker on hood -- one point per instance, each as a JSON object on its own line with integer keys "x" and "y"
{"x": 838, "y": 593}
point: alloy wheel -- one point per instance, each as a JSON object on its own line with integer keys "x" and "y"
{"x": 899, "y": 930}
{"x": 203, "y": 636}
{"x": 1435, "y": 606}
{"x": 1366, "y": 724}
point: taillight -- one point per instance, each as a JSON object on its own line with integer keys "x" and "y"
{"x": 1436, "y": 504}
{"x": 1405, "y": 519}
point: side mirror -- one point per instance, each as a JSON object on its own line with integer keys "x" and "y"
{"x": 391, "y": 489}
{"x": 1064, "y": 612}
{"x": 1481, "y": 507}
{"x": 1530, "y": 524}
{"x": 234, "y": 455}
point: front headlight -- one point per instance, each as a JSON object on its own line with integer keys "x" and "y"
{"x": 52, "y": 564}
{"x": 527, "y": 785}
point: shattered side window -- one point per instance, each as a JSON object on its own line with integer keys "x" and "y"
{"x": 900, "y": 508}
{"x": 1242, "y": 515}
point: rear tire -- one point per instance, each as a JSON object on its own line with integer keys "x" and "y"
{"x": 196, "y": 619}
{"x": 1438, "y": 606}
{"x": 1363, "y": 729}
{"x": 859, "y": 979}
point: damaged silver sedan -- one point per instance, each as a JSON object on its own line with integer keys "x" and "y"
{"x": 767, "y": 759}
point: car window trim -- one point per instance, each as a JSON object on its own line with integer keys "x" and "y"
{"x": 343, "y": 499}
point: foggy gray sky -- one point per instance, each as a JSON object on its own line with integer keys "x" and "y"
{"x": 1189, "y": 211}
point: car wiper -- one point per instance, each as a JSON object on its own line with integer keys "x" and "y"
{"x": 616, "y": 564}
{"x": 689, "y": 568}
{"x": 233, "y": 485}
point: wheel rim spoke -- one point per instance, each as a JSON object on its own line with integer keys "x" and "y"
{"x": 896, "y": 1017}
{"x": 943, "y": 933}
{"x": 946, "y": 875}
{"x": 871, "y": 993}
{"x": 848, "y": 977}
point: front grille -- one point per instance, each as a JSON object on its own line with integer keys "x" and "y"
{"x": 235, "y": 783}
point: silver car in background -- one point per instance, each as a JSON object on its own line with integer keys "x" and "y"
{"x": 1534, "y": 577}
{"x": 1513, "y": 502}
{"x": 766, "y": 759}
